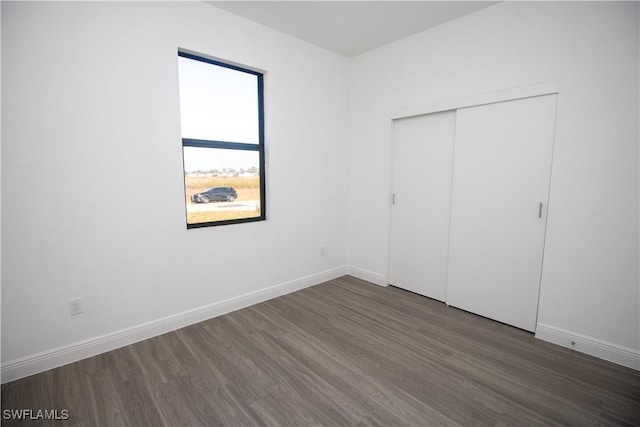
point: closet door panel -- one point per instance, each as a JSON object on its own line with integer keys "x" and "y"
{"x": 498, "y": 211}
{"x": 422, "y": 168}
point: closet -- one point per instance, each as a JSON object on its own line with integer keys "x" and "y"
{"x": 468, "y": 220}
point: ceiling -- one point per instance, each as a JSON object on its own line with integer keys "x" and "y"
{"x": 351, "y": 27}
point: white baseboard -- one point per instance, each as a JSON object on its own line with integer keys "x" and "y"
{"x": 369, "y": 276}
{"x": 33, "y": 364}
{"x": 594, "y": 347}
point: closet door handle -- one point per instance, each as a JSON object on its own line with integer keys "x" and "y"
{"x": 540, "y": 210}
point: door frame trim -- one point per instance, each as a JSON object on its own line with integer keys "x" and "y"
{"x": 510, "y": 94}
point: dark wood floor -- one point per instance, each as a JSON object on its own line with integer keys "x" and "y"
{"x": 343, "y": 353}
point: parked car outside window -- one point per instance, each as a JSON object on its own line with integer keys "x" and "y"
{"x": 215, "y": 194}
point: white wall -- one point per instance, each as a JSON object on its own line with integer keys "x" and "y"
{"x": 92, "y": 187}
{"x": 590, "y": 276}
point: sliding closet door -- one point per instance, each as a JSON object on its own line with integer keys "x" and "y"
{"x": 499, "y": 208}
{"x": 422, "y": 168}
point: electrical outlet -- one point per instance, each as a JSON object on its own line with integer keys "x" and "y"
{"x": 321, "y": 250}
{"x": 75, "y": 305}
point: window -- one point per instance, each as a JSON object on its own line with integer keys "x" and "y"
{"x": 222, "y": 118}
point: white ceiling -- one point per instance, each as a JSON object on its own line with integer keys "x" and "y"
{"x": 351, "y": 27}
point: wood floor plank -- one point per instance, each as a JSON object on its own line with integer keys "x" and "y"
{"x": 343, "y": 353}
{"x": 107, "y": 402}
